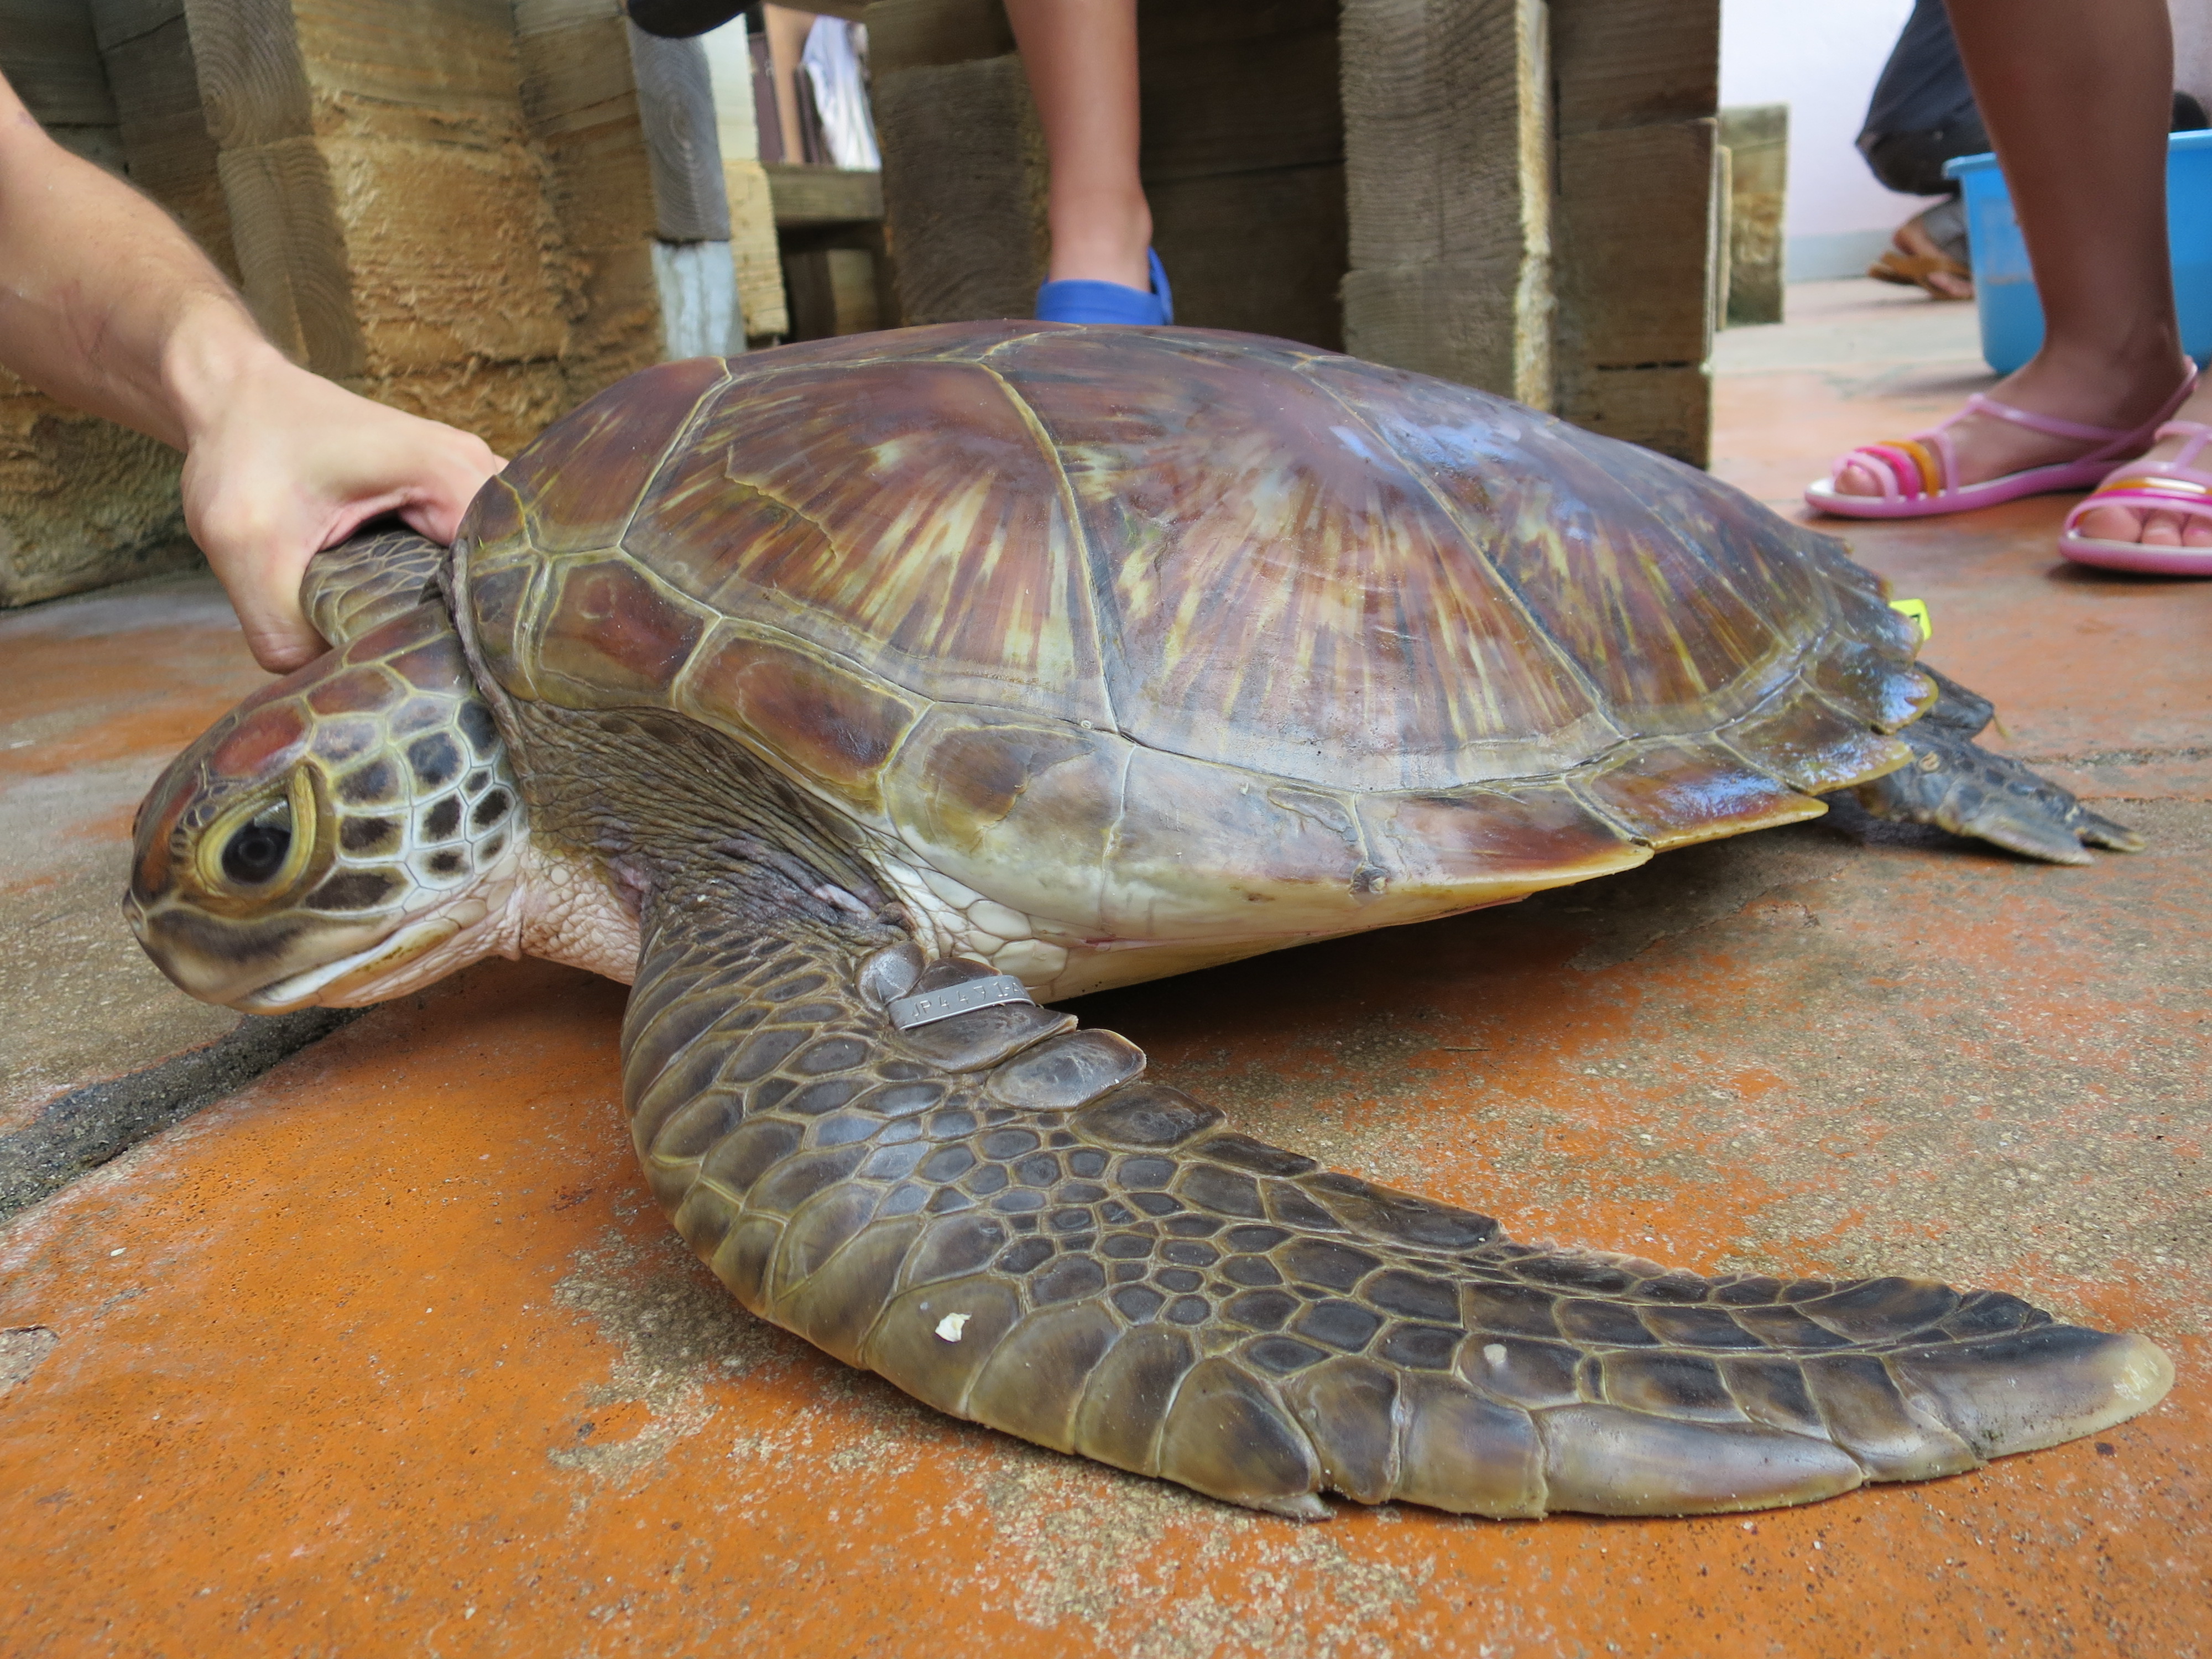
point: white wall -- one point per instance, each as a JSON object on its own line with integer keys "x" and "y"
{"x": 2192, "y": 46}
{"x": 1821, "y": 58}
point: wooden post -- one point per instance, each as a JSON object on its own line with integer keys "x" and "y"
{"x": 697, "y": 278}
{"x": 82, "y": 502}
{"x": 964, "y": 160}
{"x": 1639, "y": 228}
{"x": 579, "y": 98}
{"x": 1243, "y": 162}
{"x": 389, "y": 219}
{"x": 836, "y": 267}
{"x": 168, "y": 151}
{"x": 745, "y": 186}
{"x": 1565, "y": 256}
{"x": 1757, "y": 139}
{"x": 1448, "y": 160}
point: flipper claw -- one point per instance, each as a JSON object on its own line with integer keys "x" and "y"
{"x": 1955, "y": 784}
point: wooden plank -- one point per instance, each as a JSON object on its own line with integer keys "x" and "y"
{"x": 809, "y": 196}
{"x": 833, "y": 291}
{"x": 1455, "y": 319}
{"x": 101, "y": 146}
{"x": 1757, "y": 139}
{"x": 1231, "y": 86}
{"x": 283, "y": 220}
{"x": 253, "y": 86}
{"x": 1639, "y": 251}
{"x": 906, "y": 34}
{"x": 964, "y": 188}
{"x": 579, "y": 101}
{"x": 1447, "y": 148}
{"x": 277, "y": 196}
{"x": 676, "y": 107}
{"x": 1669, "y": 408}
{"x": 52, "y": 58}
{"x": 391, "y": 221}
{"x": 1636, "y": 240}
{"x": 1262, "y": 252}
{"x": 117, "y": 22}
{"x": 84, "y": 502}
{"x": 166, "y": 148}
{"x": 1634, "y": 62}
{"x": 753, "y": 250}
{"x": 1638, "y": 220}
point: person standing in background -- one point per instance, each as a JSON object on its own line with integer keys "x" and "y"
{"x": 1081, "y": 57}
{"x": 1921, "y": 115}
{"x": 2077, "y": 96}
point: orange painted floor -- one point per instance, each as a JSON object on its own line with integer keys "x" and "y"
{"x": 390, "y": 1354}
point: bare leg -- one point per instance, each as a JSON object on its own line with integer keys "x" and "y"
{"x": 2076, "y": 96}
{"x": 1081, "y": 57}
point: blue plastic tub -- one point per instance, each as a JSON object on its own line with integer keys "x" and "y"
{"x": 2004, "y": 289}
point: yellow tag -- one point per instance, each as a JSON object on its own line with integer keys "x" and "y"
{"x": 1918, "y": 609}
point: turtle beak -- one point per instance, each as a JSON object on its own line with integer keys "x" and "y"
{"x": 335, "y": 984}
{"x": 239, "y": 963}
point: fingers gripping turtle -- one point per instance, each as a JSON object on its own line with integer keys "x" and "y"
{"x": 1002, "y": 1216}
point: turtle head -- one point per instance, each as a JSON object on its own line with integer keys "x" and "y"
{"x": 342, "y": 835}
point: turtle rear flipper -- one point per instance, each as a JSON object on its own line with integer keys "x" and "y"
{"x": 1001, "y": 1215}
{"x": 1954, "y": 784}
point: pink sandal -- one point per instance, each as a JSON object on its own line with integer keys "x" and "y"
{"x": 2173, "y": 486}
{"x": 1916, "y": 472}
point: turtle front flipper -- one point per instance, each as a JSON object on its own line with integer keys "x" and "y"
{"x": 363, "y": 583}
{"x": 1955, "y": 784}
{"x": 999, "y": 1213}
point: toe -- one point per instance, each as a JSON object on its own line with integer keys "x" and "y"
{"x": 2160, "y": 529}
{"x": 2110, "y": 524}
{"x": 1855, "y": 478}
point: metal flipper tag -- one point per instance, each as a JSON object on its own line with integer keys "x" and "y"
{"x": 929, "y": 1006}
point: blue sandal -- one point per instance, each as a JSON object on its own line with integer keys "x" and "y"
{"x": 1084, "y": 300}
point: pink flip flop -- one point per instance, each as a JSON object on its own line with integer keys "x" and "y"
{"x": 2173, "y": 486}
{"x": 1916, "y": 472}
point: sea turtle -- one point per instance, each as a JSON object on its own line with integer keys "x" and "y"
{"x": 836, "y": 694}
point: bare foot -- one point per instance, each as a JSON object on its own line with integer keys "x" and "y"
{"x": 2156, "y": 528}
{"x": 2101, "y": 393}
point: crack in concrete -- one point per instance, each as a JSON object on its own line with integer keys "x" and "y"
{"x": 77, "y": 1133}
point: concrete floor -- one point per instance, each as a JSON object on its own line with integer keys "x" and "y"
{"x": 389, "y": 1353}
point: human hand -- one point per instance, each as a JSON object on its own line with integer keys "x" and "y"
{"x": 280, "y": 464}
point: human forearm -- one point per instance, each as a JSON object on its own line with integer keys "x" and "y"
{"x": 105, "y": 303}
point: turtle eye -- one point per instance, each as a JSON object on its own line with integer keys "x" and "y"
{"x": 256, "y": 851}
